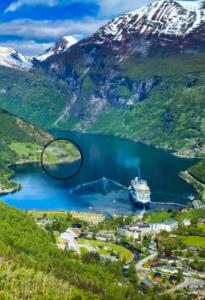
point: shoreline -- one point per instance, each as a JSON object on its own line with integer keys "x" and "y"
{"x": 193, "y": 181}
{"x": 183, "y": 174}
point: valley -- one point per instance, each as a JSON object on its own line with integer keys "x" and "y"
{"x": 131, "y": 96}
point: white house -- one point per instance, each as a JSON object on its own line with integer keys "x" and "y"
{"x": 67, "y": 240}
{"x": 186, "y": 222}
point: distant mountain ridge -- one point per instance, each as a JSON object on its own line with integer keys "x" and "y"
{"x": 11, "y": 58}
{"x": 140, "y": 76}
{"x": 162, "y": 27}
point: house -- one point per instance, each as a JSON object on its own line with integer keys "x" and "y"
{"x": 167, "y": 269}
{"x": 173, "y": 279}
{"x": 157, "y": 277}
{"x": 154, "y": 263}
{"x": 186, "y": 222}
{"x": 191, "y": 248}
{"x": 136, "y": 255}
{"x": 104, "y": 235}
{"x": 67, "y": 240}
{"x": 152, "y": 245}
{"x": 148, "y": 284}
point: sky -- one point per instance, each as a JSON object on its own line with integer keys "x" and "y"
{"x": 32, "y": 26}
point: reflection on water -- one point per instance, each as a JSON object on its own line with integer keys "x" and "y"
{"x": 108, "y": 157}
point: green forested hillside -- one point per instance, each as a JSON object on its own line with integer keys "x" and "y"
{"x": 173, "y": 116}
{"x": 32, "y": 96}
{"x": 170, "y": 116}
{"x": 32, "y": 267}
{"x": 15, "y": 132}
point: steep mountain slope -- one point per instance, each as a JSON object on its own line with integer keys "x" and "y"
{"x": 30, "y": 258}
{"x": 11, "y": 58}
{"x": 92, "y": 67}
{"x": 164, "y": 26}
{"x": 19, "y": 141}
{"x": 34, "y": 96}
{"x": 142, "y": 72}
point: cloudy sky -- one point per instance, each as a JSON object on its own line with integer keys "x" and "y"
{"x": 31, "y": 26}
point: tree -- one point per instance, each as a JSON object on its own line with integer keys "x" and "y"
{"x": 91, "y": 257}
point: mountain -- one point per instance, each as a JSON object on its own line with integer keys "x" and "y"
{"x": 141, "y": 76}
{"x": 60, "y": 46}
{"x": 163, "y": 27}
{"x": 11, "y": 58}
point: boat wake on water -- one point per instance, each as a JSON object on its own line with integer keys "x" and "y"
{"x": 104, "y": 195}
{"x": 112, "y": 197}
{"x": 103, "y": 185}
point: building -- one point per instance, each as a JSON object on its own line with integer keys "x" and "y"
{"x": 167, "y": 269}
{"x": 105, "y": 235}
{"x": 169, "y": 226}
{"x": 67, "y": 240}
{"x": 191, "y": 248}
{"x": 135, "y": 231}
{"x": 141, "y": 229}
{"x": 148, "y": 284}
{"x": 157, "y": 277}
{"x": 173, "y": 279}
{"x": 186, "y": 222}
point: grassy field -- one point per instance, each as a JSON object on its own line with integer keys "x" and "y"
{"x": 106, "y": 248}
{"x": 160, "y": 216}
{"x": 50, "y": 214}
{"x": 196, "y": 241}
{"x": 201, "y": 226}
{"x": 60, "y": 151}
{"x": 26, "y": 151}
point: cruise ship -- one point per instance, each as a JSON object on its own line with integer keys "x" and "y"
{"x": 139, "y": 193}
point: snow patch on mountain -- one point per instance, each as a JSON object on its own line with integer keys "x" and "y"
{"x": 163, "y": 17}
{"x": 11, "y": 58}
{"x": 61, "y": 46}
{"x": 191, "y": 5}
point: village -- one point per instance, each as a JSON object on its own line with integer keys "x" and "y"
{"x": 164, "y": 250}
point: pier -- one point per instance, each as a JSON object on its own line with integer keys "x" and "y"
{"x": 170, "y": 203}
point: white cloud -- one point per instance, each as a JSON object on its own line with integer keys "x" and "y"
{"x": 117, "y": 7}
{"x": 19, "y": 3}
{"x": 38, "y": 35}
{"x": 49, "y": 30}
{"x": 106, "y": 7}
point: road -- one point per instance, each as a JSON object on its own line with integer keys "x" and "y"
{"x": 188, "y": 283}
{"x": 139, "y": 265}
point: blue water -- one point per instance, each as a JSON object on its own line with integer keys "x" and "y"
{"x": 111, "y": 163}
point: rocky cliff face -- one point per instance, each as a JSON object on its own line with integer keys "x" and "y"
{"x": 92, "y": 68}
{"x": 98, "y": 87}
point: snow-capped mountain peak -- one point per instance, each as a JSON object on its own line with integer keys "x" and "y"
{"x": 60, "y": 46}
{"x": 11, "y": 58}
{"x": 162, "y": 17}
